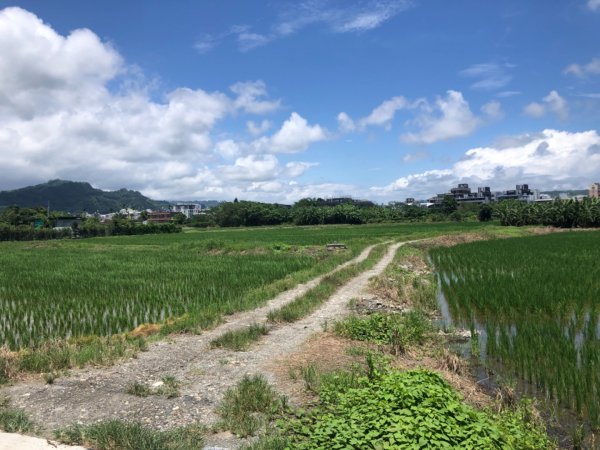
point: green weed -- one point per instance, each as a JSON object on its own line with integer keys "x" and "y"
{"x": 240, "y": 339}
{"x": 119, "y": 435}
{"x": 249, "y": 406}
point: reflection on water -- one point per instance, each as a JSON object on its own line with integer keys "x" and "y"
{"x": 555, "y": 352}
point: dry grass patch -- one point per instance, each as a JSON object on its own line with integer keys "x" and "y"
{"x": 325, "y": 352}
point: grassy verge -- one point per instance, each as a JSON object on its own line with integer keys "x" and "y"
{"x": 13, "y": 420}
{"x": 240, "y": 340}
{"x": 52, "y": 357}
{"x": 312, "y": 299}
{"x": 248, "y": 408}
{"x": 119, "y": 435}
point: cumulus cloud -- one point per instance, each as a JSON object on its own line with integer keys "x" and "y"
{"x": 71, "y": 107}
{"x": 552, "y": 102}
{"x": 488, "y": 76}
{"x": 535, "y": 109}
{"x": 256, "y": 129}
{"x": 493, "y": 110}
{"x": 295, "y": 135}
{"x": 531, "y": 159}
{"x": 345, "y": 122}
{"x": 248, "y": 95}
{"x": 384, "y": 113}
{"x": 448, "y": 118}
{"x": 584, "y": 70}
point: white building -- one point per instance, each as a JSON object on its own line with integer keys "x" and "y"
{"x": 187, "y": 209}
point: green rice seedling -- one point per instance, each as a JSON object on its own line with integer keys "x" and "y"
{"x": 535, "y": 303}
{"x": 63, "y": 302}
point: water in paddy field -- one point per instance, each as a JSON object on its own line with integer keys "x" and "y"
{"x": 491, "y": 372}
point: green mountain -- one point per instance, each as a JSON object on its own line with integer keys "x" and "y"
{"x": 74, "y": 197}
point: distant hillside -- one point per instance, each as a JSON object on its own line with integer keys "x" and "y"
{"x": 74, "y": 197}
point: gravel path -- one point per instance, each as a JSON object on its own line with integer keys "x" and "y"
{"x": 88, "y": 395}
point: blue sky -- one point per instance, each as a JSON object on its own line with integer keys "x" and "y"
{"x": 275, "y": 101}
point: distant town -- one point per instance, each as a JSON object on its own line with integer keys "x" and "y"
{"x": 462, "y": 193}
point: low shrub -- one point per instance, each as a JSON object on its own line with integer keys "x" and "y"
{"x": 400, "y": 331}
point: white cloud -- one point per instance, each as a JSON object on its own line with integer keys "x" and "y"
{"x": 531, "y": 159}
{"x": 489, "y": 76}
{"x": 336, "y": 15}
{"x": 71, "y": 108}
{"x": 535, "y": 109}
{"x": 249, "y": 93}
{"x": 296, "y": 168}
{"x": 248, "y": 41}
{"x": 581, "y": 71}
{"x": 593, "y": 4}
{"x": 449, "y": 118}
{"x": 384, "y": 113}
{"x": 228, "y": 149}
{"x": 295, "y": 135}
{"x": 493, "y": 110}
{"x": 345, "y": 123}
{"x": 252, "y": 168}
{"x": 552, "y": 102}
{"x": 412, "y": 157}
{"x": 505, "y": 94}
{"x": 257, "y": 129}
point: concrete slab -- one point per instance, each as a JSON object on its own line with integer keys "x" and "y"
{"x": 12, "y": 441}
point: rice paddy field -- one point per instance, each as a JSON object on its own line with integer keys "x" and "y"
{"x": 536, "y": 303}
{"x": 104, "y": 286}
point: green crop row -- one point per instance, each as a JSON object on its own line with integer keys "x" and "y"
{"x": 106, "y": 286}
{"x": 536, "y": 304}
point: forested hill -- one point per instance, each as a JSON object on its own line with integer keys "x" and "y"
{"x": 74, "y": 197}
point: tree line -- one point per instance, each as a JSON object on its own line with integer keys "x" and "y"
{"x": 28, "y": 224}
{"x": 311, "y": 211}
{"x": 559, "y": 213}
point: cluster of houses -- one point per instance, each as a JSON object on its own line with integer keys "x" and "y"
{"x": 522, "y": 192}
{"x": 187, "y": 209}
{"x": 462, "y": 193}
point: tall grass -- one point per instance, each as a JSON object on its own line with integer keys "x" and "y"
{"x": 119, "y": 435}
